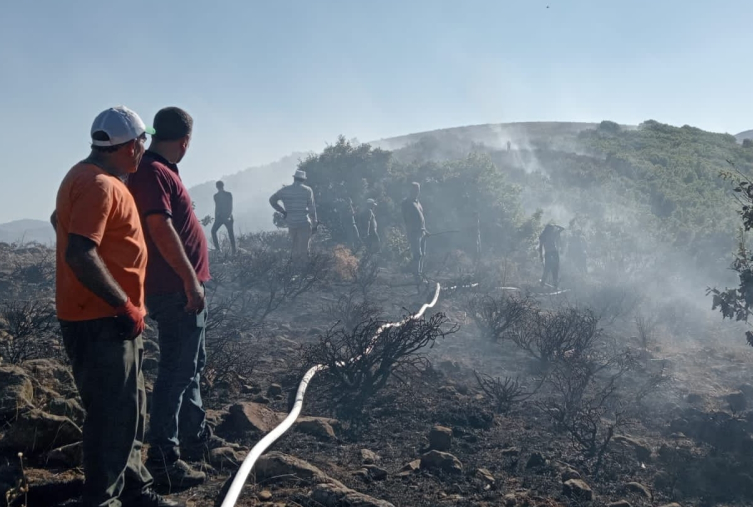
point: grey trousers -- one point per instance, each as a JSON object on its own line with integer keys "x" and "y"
{"x": 107, "y": 371}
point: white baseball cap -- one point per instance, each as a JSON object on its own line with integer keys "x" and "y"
{"x": 120, "y": 124}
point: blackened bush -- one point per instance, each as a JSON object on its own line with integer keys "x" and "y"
{"x": 32, "y": 331}
{"x": 555, "y": 335}
{"x": 505, "y": 393}
{"x": 231, "y": 336}
{"x": 40, "y": 272}
{"x": 494, "y": 316}
{"x": 270, "y": 279}
{"x": 359, "y": 362}
{"x": 366, "y": 273}
{"x": 584, "y": 400}
{"x": 350, "y": 311}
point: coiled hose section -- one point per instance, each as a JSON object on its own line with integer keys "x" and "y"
{"x": 248, "y": 463}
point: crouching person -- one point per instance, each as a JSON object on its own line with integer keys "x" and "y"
{"x": 101, "y": 261}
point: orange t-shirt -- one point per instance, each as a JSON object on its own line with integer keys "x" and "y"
{"x": 96, "y": 205}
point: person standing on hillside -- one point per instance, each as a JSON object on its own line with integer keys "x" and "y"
{"x": 369, "y": 226}
{"x": 176, "y": 273}
{"x": 101, "y": 260}
{"x": 299, "y": 212}
{"x": 415, "y": 227}
{"x": 549, "y": 244}
{"x": 223, "y": 215}
{"x": 344, "y": 208}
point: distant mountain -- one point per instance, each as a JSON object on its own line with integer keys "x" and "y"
{"x": 27, "y": 230}
{"x": 742, "y": 136}
{"x": 496, "y": 135}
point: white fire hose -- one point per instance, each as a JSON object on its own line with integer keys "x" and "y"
{"x": 248, "y": 463}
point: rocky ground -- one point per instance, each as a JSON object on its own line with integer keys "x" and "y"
{"x": 429, "y": 438}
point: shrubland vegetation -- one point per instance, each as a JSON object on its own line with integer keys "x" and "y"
{"x": 659, "y": 224}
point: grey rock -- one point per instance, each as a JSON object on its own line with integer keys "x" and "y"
{"x": 570, "y": 474}
{"x": 635, "y": 487}
{"x": 337, "y": 495}
{"x": 537, "y": 460}
{"x": 37, "y": 432}
{"x": 409, "y": 468}
{"x": 577, "y": 489}
{"x": 737, "y": 402}
{"x": 369, "y": 457}
{"x": 225, "y": 458}
{"x": 70, "y": 408}
{"x": 16, "y": 392}
{"x": 250, "y": 417}
{"x": 642, "y": 451}
{"x": 485, "y": 475}
{"x": 440, "y": 438}
{"x": 274, "y": 390}
{"x": 441, "y": 460}
{"x": 318, "y": 427}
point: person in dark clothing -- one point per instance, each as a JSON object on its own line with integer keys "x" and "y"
{"x": 368, "y": 225}
{"x": 347, "y": 214}
{"x": 415, "y": 227}
{"x": 549, "y": 244}
{"x": 176, "y": 273}
{"x": 223, "y": 215}
{"x": 101, "y": 260}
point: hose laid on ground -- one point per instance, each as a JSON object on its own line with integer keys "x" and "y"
{"x": 248, "y": 464}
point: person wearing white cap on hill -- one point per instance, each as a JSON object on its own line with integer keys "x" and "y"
{"x": 299, "y": 211}
{"x": 101, "y": 261}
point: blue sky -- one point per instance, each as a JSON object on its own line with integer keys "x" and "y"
{"x": 263, "y": 79}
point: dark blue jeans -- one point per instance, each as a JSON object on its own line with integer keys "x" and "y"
{"x": 177, "y": 413}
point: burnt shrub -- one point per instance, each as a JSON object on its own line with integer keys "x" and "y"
{"x": 270, "y": 279}
{"x": 231, "y": 338}
{"x": 32, "y": 331}
{"x": 584, "y": 400}
{"x": 365, "y": 273}
{"x": 549, "y": 336}
{"x": 349, "y": 310}
{"x": 360, "y": 361}
{"x": 494, "y": 316}
{"x": 504, "y": 392}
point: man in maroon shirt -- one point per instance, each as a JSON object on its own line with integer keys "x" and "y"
{"x": 177, "y": 269}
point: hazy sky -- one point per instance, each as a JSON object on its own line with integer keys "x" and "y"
{"x": 263, "y": 79}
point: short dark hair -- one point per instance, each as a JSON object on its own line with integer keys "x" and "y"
{"x": 171, "y": 124}
{"x": 101, "y": 135}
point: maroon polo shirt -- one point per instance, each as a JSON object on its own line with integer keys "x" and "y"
{"x": 157, "y": 188}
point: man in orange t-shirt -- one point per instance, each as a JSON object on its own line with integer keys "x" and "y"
{"x": 101, "y": 264}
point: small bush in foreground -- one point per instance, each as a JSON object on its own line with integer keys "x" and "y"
{"x": 360, "y": 361}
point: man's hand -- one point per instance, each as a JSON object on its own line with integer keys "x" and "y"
{"x": 284, "y": 214}
{"x": 129, "y": 320}
{"x": 195, "y": 296}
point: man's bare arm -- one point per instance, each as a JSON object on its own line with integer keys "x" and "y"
{"x": 168, "y": 243}
{"x": 89, "y": 268}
